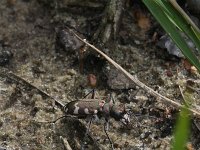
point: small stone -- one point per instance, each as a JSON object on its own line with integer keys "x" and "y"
{"x": 117, "y": 80}
{"x": 63, "y": 79}
{"x": 5, "y": 56}
{"x": 66, "y": 41}
{"x": 142, "y": 136}
{"x": 71, "y": 72}
{"x": 169, "y": 73}
{"x": 193, "y": 70}
{"x": 17, "y": 134}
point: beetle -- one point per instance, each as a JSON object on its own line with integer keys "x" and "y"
{"x": 95, "y": 107}
{"x": 98, "y": 108}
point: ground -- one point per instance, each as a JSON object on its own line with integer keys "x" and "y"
{"x": 32, "y": 49}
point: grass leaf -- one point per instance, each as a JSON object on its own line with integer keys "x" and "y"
{"x": 170, "y": 19}
{"x": 182, "y": 129}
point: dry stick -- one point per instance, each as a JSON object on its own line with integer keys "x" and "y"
{"x": 135, "y": 80}
{"x": 66, "y": 143}
{"x": 22, "y": 81}
{"x": 185, "y": 101}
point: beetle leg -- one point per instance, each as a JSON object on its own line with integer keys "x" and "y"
{"x": 91, "y": 92}
{"x": 106, "y": 124}
{"x": 86, "y": 133}
{"x": 89, "y": 124}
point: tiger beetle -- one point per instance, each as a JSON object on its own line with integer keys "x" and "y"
{"x": 98, "y": 108}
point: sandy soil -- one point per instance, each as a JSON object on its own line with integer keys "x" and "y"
{"x": 28, "y": 31}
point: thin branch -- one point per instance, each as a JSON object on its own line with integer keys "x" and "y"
{"x": 18, "y": 79}
{"x": 66, "y": 143}
{"x": 186, "y": 103}
{"x": 135, "y": 80}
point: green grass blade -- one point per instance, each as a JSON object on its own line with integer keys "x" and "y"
{"x": 171, "y": 29}
{"x": 182, "y": 130}
{"x": 179, "y": 21}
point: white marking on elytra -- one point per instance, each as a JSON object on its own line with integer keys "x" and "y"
{"x": 66, "y": 109}
{"x": 86, "y": 111}
{"x": 95, "y": 111}
{"x": 76, "y": 109}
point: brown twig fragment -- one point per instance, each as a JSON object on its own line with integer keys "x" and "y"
{"x": 136, "y": 81}
{"x": 66, "y": 143}
{"x": 18, "y": 79}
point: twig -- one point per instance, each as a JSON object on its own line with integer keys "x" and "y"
{"x": 54, "y": 121}
{"x": 16, "y": 78}
{"x": 66, "y": 143}
{"x": 136, "y": 81}
{"x": 185, "y": 101}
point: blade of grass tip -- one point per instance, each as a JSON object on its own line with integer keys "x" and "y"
{"x": 175, "y": 16}
{"x": 184, "y": 15}
{"x": 181, "y": 20}
{"x": 182, "y": 130}
{"x": 169, "y": 27}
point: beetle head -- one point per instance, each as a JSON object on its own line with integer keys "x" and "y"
{"x": 119, "y": 113}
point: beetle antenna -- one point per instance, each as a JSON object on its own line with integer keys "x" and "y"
{"x": 105, "y": 130}
{"x": 86, "y": 133}
{"x": 59, "y": 119}
{"x": 91, "y": 92}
